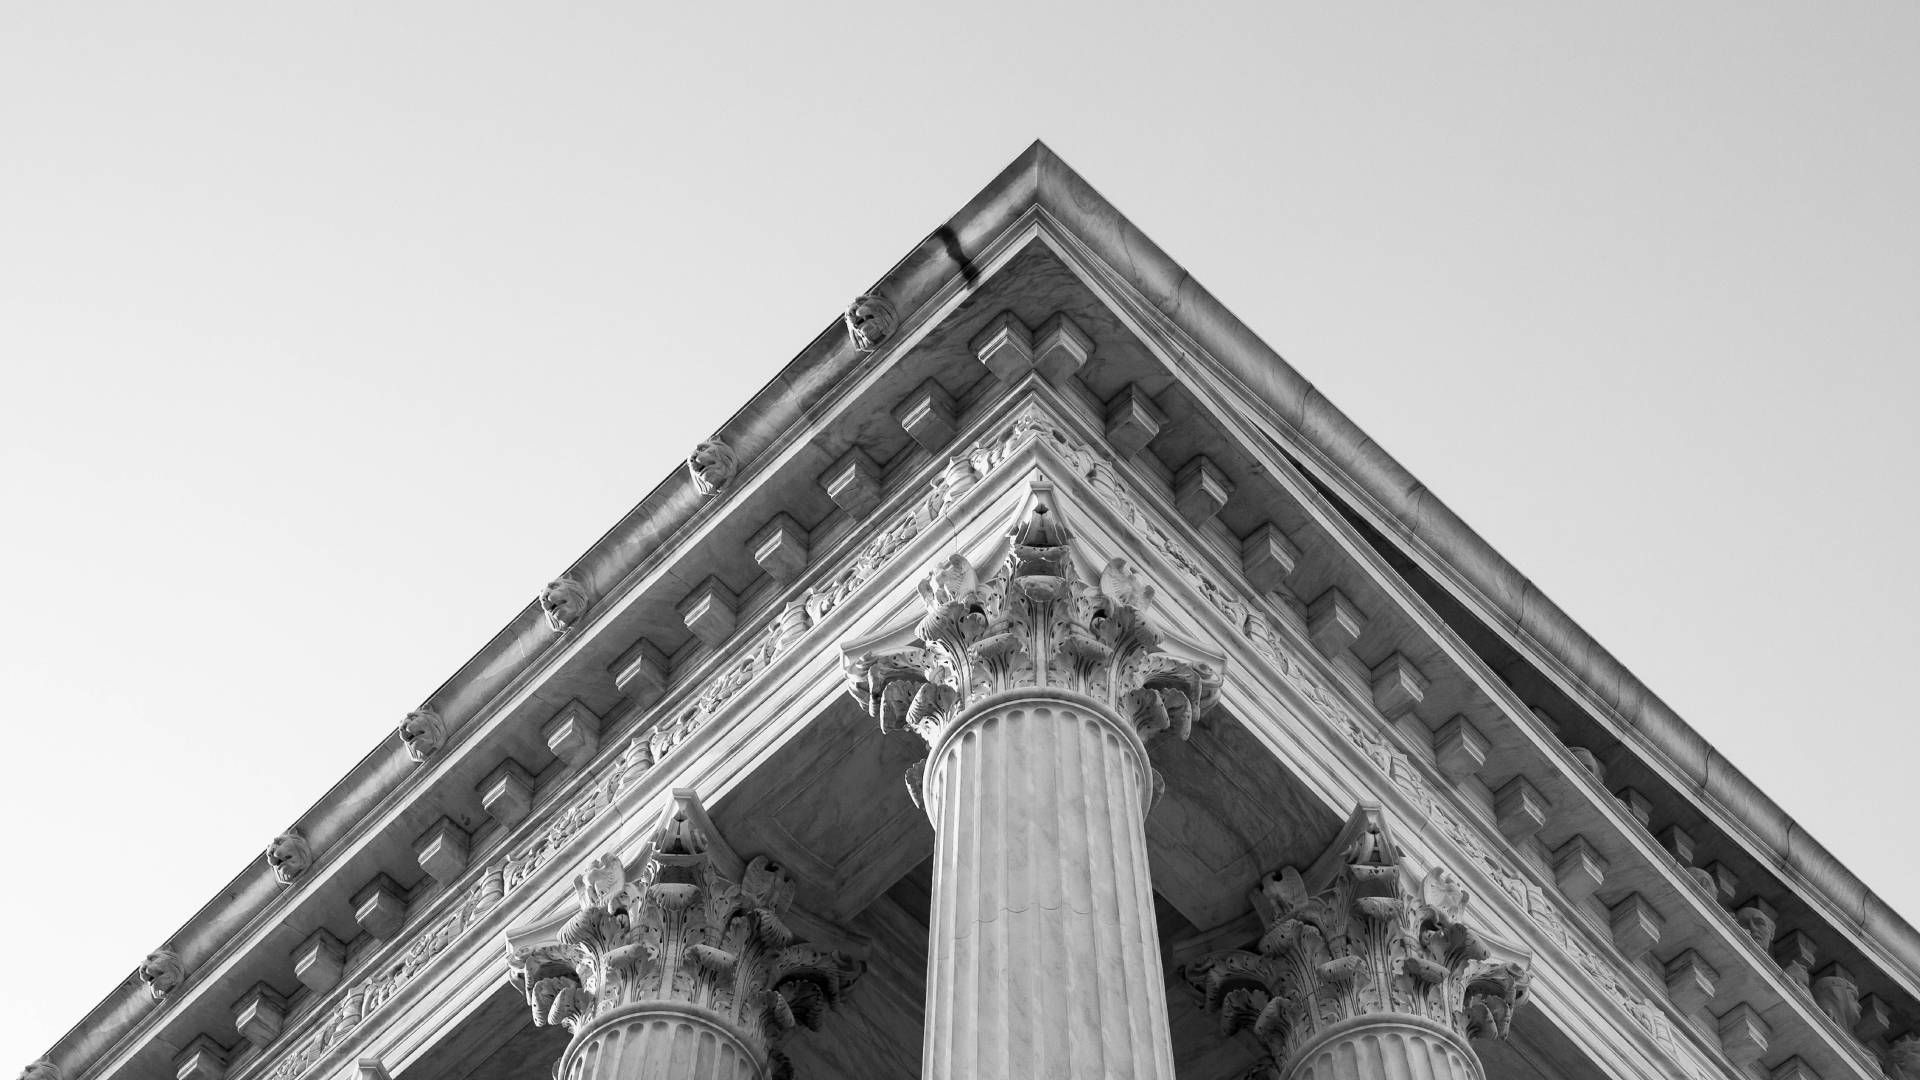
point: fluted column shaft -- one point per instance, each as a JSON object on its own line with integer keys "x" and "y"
{"x": 1386, "y": 1047}
{"x": 1043, "y": 955}
{"x": 659, "y": 1041}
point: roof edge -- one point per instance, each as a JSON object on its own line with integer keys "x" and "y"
{"x": 1417, "y": 517}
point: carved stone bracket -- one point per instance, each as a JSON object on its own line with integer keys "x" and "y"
{"x": 1032, "y": 622}
{"x": 1353, "y": 937}
{"x": 688, "y": 925}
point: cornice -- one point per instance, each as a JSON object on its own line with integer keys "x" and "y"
{"x": 1226, "y": 391}
{"x": 1394, "y": 501}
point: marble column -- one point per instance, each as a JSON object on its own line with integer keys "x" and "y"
{"x": 1386, "y": 1048}
{"x": 684, "y": 969}
{"x": 1035, "y": 689}
{"x": 1362, "y": 973}
{"x": 661, "y": 1040}
{"x": 1043, "y": 959}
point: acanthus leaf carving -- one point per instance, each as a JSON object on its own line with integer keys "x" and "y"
{"x": 1032, "y": 621}
{"x": 1365, "y": 940}
{"x": 680, "y": 927}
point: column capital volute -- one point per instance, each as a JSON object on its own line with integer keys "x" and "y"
{"x": 1357, "y": 935}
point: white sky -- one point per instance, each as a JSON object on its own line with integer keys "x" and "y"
{"x": 327, "y": 337}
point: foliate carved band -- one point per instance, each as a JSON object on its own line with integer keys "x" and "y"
{"x": 1033, "y": 623}
{"x": 681, "y": 930}
{"x": 1363, "y": 941}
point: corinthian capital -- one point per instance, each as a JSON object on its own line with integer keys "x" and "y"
{"x": 681, "y": 926}
{"x": 1357, "y": 936}
{"x": 1032, "y": 621}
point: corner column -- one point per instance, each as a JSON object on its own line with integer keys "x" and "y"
{"x": 1043, "y": 958}
{"x": 1035, "y": 690}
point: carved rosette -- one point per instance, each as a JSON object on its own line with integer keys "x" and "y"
{"x": 289, "y": 855}
{"x": 564, "y": 602}
{"x": 424, "y": 733}
{"x": 870, "y": 321}
{"x": 1032, "y": 623}
{"x": 162, "y": 972}
{"x": 1365, "y": 941}
{"x": 680, "y": 931}
{"x": 712, "y": 464}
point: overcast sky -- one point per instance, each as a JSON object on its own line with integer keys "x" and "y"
{"x": 327, "y": 337}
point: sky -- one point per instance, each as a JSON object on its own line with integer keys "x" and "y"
{"x": 327, "y": 335}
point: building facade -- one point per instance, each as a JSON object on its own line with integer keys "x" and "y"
{"x": 1036, "y": 679}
